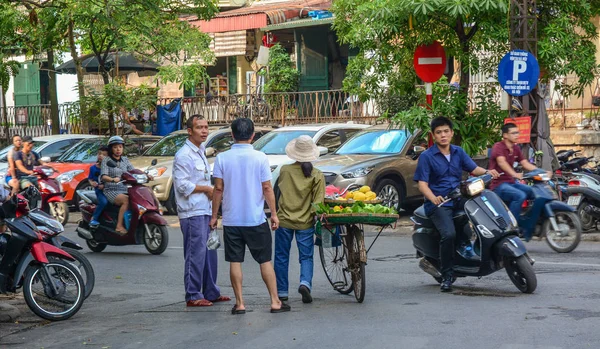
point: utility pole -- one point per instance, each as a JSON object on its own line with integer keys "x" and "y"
{"x": 523, "y": 36}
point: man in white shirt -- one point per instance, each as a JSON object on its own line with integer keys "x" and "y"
{"x": 243, "y": 181}
{"x": 193, "y": 194}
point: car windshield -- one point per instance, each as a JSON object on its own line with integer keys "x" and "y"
{"x": 84, "y": 151}
{"x": 273, "y": 143}
{"x": 375, "y": 142}
{"x": 4, "y": 152}
{"x": 167, "y": 146}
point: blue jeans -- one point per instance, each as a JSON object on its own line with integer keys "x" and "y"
{"x": 306, "y": 246}
{"x": 102, "y": 202}
{"x": 513, "y": 194}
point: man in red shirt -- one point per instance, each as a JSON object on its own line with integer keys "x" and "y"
{"x": 504, "y": 155}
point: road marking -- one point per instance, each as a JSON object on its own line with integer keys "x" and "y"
{"x": 568, "y": 263}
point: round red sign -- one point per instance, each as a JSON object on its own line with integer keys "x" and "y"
{"x": 430, "y": 62}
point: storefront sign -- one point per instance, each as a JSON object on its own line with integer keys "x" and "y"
{"x": 524, "y": 125}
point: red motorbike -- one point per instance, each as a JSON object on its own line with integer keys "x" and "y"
{"x": 143, "y": 221}
{"x": 50, "y": 193}
{"x": 52, "y": 287}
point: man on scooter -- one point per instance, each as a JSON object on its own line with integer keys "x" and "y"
{"x": 11, "y": 175}
{"x": 438, "y": 172}
{"x": 25, "y": 161}
{"x": 504, "y": 154}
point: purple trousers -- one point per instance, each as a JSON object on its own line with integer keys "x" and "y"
{"x": 200, "y": 271}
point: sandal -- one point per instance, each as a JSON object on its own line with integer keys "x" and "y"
{"x": 221, "y": 299}
{"x": 198, "y": 303}
{"x": 284, "y": 308}
{"x": 236, "y": 311}
{"x": 121, "y": 231}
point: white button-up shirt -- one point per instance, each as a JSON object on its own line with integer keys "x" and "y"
{"x": 190, "y": 169}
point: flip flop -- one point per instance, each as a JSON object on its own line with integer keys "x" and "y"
{"x": 221, "y": 299}
{"x": 236, "y": 311}
{"x": 284, "y": 308}
{"x": 121, "y": 232}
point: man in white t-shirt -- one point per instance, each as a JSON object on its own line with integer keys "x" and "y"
{"x": 242, "y": 179}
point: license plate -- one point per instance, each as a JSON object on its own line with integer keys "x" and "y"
{"x": 574, "y": 200}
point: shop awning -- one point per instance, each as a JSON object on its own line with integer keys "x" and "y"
{"x": 260, "y": 15}
{"x": 233, "y": 43}
{"x": 300, "y": 23}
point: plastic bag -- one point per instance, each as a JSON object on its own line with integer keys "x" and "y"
{"x": 213, "y": 240}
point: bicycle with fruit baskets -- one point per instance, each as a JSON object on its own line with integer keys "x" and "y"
{"x": 342, "y": 250}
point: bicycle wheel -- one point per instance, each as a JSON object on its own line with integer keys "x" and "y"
{"x": 356, "y": 243}
{"x": 335, "y": 265}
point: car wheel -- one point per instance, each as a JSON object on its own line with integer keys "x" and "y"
{"x": 390, "y": 193}
{"x": 170, "y": 204}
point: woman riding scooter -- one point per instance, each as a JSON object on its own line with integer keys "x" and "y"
{"x": 114, "y": 190}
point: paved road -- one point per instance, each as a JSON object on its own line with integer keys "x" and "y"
{"x": 138, "y": 303}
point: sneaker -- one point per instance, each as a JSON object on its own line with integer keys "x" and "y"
{"x": 446, "y": 285}
{"x": 94, "y": 223}
{"x": 305, "y": 292}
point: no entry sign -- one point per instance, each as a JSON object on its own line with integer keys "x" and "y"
{"x": 430, "y": 62}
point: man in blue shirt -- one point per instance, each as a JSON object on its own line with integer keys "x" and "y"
{"x": 439, "y": 171}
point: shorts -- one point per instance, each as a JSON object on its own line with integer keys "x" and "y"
{"x": 8, "y": 179}
{"x": 23, "y": 181}
{"x": 258, "y": 239}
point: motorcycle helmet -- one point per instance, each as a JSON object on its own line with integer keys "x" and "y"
{"x": 115, "y": 140}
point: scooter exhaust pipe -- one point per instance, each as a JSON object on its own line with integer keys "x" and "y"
{"x": 427, "y": 267}
{"x": 84, "y": 233}
{"x": 592, "y": 210}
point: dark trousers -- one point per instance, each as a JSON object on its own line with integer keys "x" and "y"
{"x": 442, "y": 219}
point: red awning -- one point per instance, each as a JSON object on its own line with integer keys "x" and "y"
{"x": 260, "y": 15}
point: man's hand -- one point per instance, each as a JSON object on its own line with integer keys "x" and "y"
{"x": 209, "y": 192}
{"x": 494, "y": 173}
{"x": 274, "y": 222}
{"x": 213, "y": 223}
{"x": 550, "y": 174}
{"x": 437, "y": 200}
{"x": 150, "y": 177}
{"x": 519, "y": 175}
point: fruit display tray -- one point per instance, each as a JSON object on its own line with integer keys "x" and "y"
{"x": 344, "y": 203}
{"x": 361, "y": 218}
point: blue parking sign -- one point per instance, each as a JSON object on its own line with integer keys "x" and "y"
{"x": 518, "y": 72}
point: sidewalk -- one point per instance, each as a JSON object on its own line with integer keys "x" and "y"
{"x": 15, "y": 316}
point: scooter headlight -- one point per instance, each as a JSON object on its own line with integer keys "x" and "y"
{"x": 475, "y": 187}
{"x": 141, "y": 178}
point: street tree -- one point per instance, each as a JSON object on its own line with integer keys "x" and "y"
{"x": 474, "y": 32}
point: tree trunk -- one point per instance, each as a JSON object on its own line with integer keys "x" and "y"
{"x": 53, "y": 94}
{"x": 5, "y": 115}
{"x": 83, "y": 116}
{"x": 106, "y": 79}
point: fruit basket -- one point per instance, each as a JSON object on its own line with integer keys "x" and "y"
{"x": 360, "y": 218}
{"x": 336, "y": 202}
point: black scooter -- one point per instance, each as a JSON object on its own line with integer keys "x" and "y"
{"x": 497, "y": 244}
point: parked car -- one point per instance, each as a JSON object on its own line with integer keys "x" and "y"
{"x": 74, "y": 165}
{"x": 46, "y": 146}
{"x": 219, "y": 140}
{"x": 381, "y": 157}
{"x": 328, "y": 138}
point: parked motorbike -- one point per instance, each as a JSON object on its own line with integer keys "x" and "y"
{"x": 52, "y": 287}
{"x": 50, "y": 193}
{"x": 497, "y": 244}
{"x": 51, "y": 231}
{"x": 546, "y": 216}
{"x": 584, "y": 195}
{"x": 144, "y": 222}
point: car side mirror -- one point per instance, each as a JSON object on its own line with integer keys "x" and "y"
{"x": 45, "y": 159}
{"x": 323, "y": 150}
{"x": 154, "y": 162}
{"x": 417, "y": 150}
{"x": 209, "y": 152}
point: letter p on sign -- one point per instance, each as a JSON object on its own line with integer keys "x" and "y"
{"x": 518, "y": 68}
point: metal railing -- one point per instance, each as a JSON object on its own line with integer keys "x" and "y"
{"x": 282, "y": 108}
{"x": 34, "y": 120}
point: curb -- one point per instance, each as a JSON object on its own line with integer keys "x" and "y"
{"x": 8, "y": 313}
